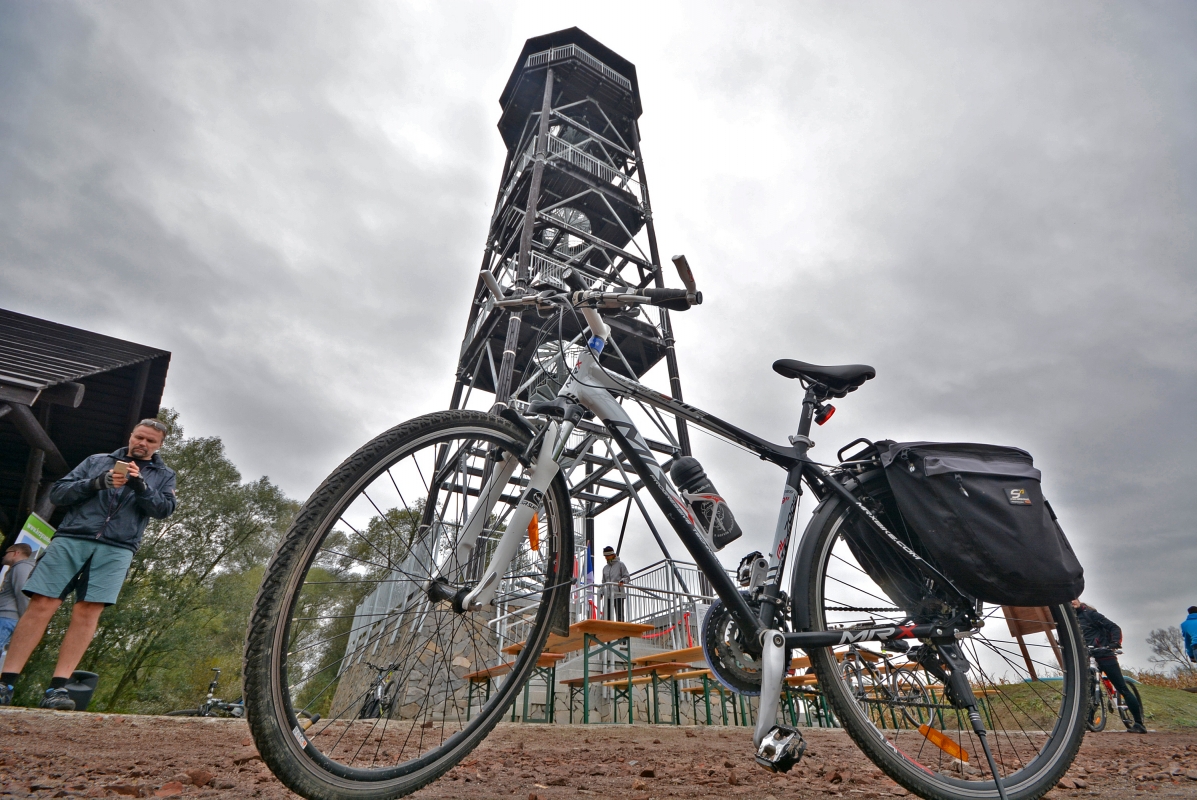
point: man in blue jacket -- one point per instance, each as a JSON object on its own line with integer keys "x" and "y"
{"x": 110, "y": 498}
{"x": 1189, "y": 629}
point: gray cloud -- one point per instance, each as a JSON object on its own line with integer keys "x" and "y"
{"x": 993, "y": 204}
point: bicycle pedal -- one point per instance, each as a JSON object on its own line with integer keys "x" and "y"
{"x": 781, "y": 749}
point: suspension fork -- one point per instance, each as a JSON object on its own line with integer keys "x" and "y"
{"x": 543, "y": 471}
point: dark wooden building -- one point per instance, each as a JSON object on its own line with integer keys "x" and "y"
{"x": 65, "y": 394}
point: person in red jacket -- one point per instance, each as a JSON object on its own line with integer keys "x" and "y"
{"x": 1103, "y": 638}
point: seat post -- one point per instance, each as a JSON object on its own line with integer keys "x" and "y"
{"x": 808, "y": 411}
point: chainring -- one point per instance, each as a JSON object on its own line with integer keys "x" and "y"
{"x": 723, "y": 644}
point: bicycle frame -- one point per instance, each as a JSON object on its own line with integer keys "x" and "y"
{"x": 596, "y": 389}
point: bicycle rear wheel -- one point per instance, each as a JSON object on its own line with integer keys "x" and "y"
{"x": 1033, "y": 705}
{"x": 347, "y": 594}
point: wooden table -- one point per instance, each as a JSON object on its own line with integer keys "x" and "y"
{"x": 592, "y": 637}
{"x": 684, "y": 656}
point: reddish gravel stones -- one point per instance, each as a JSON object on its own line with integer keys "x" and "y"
{"x": 169, "y": 789}
{"x": 199, "y": 777}
{"x": 540, "y": 762}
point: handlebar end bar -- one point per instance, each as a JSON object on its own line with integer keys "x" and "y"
{"x": 491, "y": 284}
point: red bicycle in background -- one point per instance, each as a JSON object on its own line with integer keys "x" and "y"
{"x": 1106, "y": 699}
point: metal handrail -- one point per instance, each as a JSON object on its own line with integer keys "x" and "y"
{"x": 583, "y": 160}
{"x": 573, "y": 51}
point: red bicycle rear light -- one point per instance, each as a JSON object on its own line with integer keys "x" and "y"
{"x": 824, "y": 414}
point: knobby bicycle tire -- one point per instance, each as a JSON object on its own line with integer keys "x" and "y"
{"x": 296, "y": 758}
{"x": 828, "y": 583}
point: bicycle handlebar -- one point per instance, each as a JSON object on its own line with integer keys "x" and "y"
{"x": 671, "y": 299}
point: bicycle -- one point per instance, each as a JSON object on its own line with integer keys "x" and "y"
{"x": 450, "y": 535}
{"x": 879, "y": 683}
{"x": 212, "y": 706}
{"x": 380, "y": 699}
{"x": 215, "y": 707}
{"x": 1104, "y": 698}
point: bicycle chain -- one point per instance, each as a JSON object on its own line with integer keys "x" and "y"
{"x": 865, "y": 610}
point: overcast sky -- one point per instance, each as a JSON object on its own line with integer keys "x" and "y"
{"x": 993, "y": 204}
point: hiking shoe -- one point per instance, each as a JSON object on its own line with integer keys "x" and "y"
{"x": 5, "y": 694}
{"x": 58, "y": 699}
{"x": 1138, "y": 728}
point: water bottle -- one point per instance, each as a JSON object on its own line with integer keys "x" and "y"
{"x": 711, "y": 514}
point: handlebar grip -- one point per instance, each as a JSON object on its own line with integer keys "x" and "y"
{"x": 672, "y": 299}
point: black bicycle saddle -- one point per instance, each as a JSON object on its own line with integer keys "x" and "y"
{"x": 829, "y": 382}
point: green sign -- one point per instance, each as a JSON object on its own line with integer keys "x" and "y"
{"x": 36, "y": 532}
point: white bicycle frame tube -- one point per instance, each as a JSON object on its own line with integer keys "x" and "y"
{"x": 539, "y": 478}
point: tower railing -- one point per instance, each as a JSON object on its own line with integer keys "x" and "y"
{"x": 580, "y": 158}
{"x": 573, "y": 51}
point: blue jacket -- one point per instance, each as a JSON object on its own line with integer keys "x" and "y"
{"x": 115, "y": 516}
{"x": 1189, "y": 629}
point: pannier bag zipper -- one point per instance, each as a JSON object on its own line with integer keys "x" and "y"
{"x": 960, "y": 484}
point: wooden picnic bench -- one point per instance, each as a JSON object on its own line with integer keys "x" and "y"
{"x": 651, "y": 676}
{"x": 593, "y": 637}
{"x": 480, "y": 682}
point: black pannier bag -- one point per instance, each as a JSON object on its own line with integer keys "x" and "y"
{"x": 979, "y": 512}
{"x": 898, "y": 579}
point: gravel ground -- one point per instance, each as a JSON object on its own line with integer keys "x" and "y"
{"x": 56, "y": 754}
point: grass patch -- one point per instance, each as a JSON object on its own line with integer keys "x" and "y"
{"x": 1168, "y": 709}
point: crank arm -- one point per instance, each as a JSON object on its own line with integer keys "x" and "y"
{"x": 542, "y": 474}
{"x": 773, "y": 672}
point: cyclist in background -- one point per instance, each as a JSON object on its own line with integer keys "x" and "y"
{"x": 1189, "y": 629}
{"x": 1103, "y": 638}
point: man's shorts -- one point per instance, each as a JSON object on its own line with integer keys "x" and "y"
{"x": 92, "y": 569}
{"x": 7, "y": 626}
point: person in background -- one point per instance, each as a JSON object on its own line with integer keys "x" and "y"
{"x": 1103, "y": 638}
{"x": 13, "y": 601}
{"x": 1189, "y": 629}
{"x": 615, "y": 580}
{"x": 109, "y": 500}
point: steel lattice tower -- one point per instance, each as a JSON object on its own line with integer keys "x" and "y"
{"x": 573, "y": 212}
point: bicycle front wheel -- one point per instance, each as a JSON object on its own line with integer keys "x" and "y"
{"x": 1032, "y": 691}
{"x": 1096, "y": 722}
{"x": 349, "y": 594}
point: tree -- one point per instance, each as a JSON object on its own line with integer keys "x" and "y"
{"x": 185, "y": 603}
{"x": 1168, "y": 646}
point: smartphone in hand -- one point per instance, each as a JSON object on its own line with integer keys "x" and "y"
{"x": 120, "y": 468}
